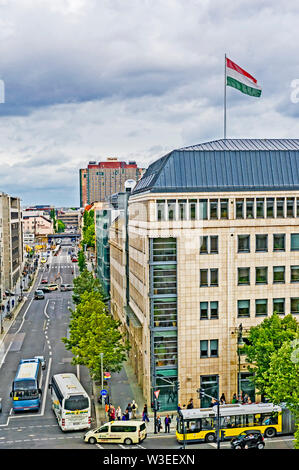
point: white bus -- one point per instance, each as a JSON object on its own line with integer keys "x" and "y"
{"x": 70, "y": 402}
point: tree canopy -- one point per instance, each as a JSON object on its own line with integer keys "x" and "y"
{"x": 94, "y": 331}
{"x": 263, "y": 341}
{"x": 85, "y": 283}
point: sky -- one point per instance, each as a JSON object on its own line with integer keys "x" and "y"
{"x": 89, "y": 79}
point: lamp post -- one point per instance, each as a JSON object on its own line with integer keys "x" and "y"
{"x": 240, "y": 344}
{"x": 102, "y": 373}
{"x": 201, "y": 393}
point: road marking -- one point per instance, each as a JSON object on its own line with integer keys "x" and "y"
{"x": 3, "y": 359}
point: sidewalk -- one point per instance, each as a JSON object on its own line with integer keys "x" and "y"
{"x": 122, "y": 389}
{"x": 7, "y": 322}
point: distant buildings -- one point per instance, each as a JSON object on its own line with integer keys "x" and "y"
{"x": 70, "y": 218}
{"x": 100, "y": 180}
{"x": 37, "y": 225}
{"x": 11, "y": 242}
{"x": 211, "y": 242}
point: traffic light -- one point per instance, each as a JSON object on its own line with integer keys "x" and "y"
{"x": 157, "y": 405}
{"x": 200, "y": 393}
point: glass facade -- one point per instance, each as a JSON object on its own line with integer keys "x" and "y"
{"x": 163, "y": 307}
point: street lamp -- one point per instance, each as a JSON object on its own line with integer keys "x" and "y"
{"x": 240, "y": 345}
{"x": 102, "y": 373}
{"x": 201, "y": 393}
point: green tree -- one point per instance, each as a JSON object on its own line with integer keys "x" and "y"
{"x": 94, "y": 331}
{"x": 81, "y": 261}
{"x": 60, "y": 226}
{"x": 283, "y": 379}
{"x": 88, "y": 229}
{"x": 264, "y": 340}
{"x": 86, "y": 283}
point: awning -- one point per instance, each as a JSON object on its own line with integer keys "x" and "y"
{"x": 132, "y": 317}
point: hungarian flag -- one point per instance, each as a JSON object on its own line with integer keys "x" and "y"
{"x": 238, "y": 78}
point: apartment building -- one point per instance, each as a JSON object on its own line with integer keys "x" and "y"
{"x": 37, "y": 225}
{"x": 100, "y": 180}
{"x": 11, "y": 242}
{"x": 213, "y": 243}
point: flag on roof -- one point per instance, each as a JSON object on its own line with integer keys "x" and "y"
{"x": 238, "y": 78}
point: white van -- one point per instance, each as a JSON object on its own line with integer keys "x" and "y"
{"x": 118, "y": 432}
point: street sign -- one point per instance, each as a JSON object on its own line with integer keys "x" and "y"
{"x": 104, "y": 393}
{"x": 107, "y": 375}
{"x": 156, "y": 393}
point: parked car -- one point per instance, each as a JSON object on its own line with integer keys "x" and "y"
{"x": 126, "y": 432}
{"x": 44, "y": 281}
{"x": 250, "y": 439}
{"x": 42, "y": 360}
{"x": 74, "y": 259}
{"x": 39, "y": 294}
{"x": 65, "y": 287}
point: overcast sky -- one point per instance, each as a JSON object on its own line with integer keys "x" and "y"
{"x": 134, "y": 79}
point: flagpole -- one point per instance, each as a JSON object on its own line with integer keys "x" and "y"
{"x": 224, "y": 123}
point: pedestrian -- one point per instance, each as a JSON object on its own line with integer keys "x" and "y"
{"x": 118, "y": 413}
{"x": 7, "y": 307}
{"x": 106, "y": 408}
{"x": 127, "y": 416}
{"x": 249, "y": 401}
{"x": 144, "y": 413}
{"x": 179, "y": 407}
{"x": 245, "y": 399}
{"x": 134, "y": 409}
{"x": 222, "y": 399}
{"x": 112, "y": 413}
{"x": 167, "y": 422}
{"x": 158, "y": 423}
{"x": 129, "y": 408}
{"x": 124, "y": 417}
{"x": 190, "y": 404}
{"x": 234, "y": 399}
{"x": 12, "y": 303}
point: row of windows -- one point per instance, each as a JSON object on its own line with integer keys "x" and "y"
{"x": 211, "y": 209}
{"x": 209, "y": 244}
{"x": 209, "y": 277}
{"x": 210, "y": 310}
{"x": 261, "y": 275}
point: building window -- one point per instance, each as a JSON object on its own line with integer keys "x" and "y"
{"x": 280, "y": 207}
{"x": 260, "y": 208}
{"x": 243, "y": 243}
{"x": 279, "y": 306}
{"x": 224, "y": 208}
{"x": 213, "y": 208}
{"x": 203, "y": 245}
{"x": 278, "y": 274}
{"x": 214, "y": 244}
{"x": 243, "y": 308}
{"x": 204, "y": 310}
{"x": 213, "y": 347}
{"x": 164, "y": 279}
{"x": 192, "y": 208}
{"x": 204, "y": 348}
{"x": 261, "y": 275}
{"x": 294, "y": 273}
{"x": 261, "y": 243}
{"x": 182, "y": 209}
{"x": 243, "y": 276}
{"x": 204, "y": 278}
{"x": 270, "y": 207}
{"x": 279, "y": 242}
{"x": 164, "y": 249}
{"x": 171, "y": 205}
{"x": 214, "y": 277}
{"x": 295, "y": 305}
{"x": 290, "y": 206}
{"x": 249, "y": 208}
{"x": 161, "y": 210}
{"x": 240, "y": 209}
{"x": 210, "y": 385}
{"x": 294, "y": 241}
{"x": 165, "y": 312}
{"x": 261, "y": 307}
{"x": 206, "y": 351}
{"x": 203, "y": 209}
{"x": 208, "y": 310}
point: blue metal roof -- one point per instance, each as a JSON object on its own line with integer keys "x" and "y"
{"x": 226, "y": 165}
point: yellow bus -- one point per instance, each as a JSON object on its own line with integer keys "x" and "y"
{"x": 200, "y": 424}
